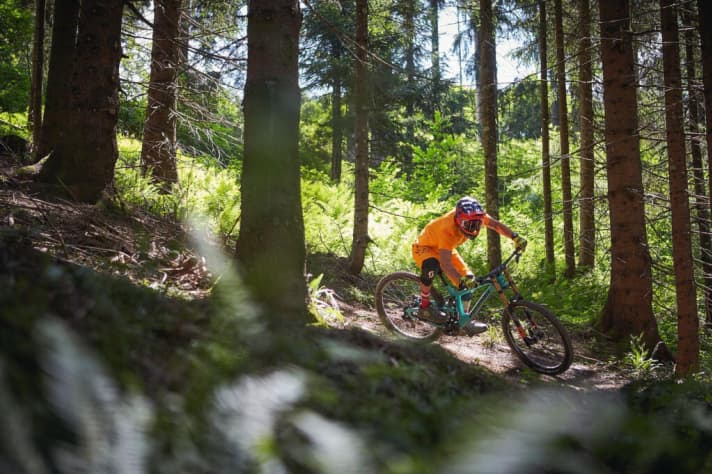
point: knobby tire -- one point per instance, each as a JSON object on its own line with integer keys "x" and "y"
{"x": 395, "y": 293}
{"x": 551, "y": 353}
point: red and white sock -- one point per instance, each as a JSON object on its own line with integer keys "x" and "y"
{"x": 424, "y": 298}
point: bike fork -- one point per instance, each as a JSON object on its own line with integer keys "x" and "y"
{"x": 533, "y": 330}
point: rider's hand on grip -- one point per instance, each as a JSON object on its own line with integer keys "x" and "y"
{"x": 520, "y": 243}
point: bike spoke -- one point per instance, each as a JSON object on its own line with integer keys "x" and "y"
{"x": 398, "y": 299}
{"x": 538, "y": 339}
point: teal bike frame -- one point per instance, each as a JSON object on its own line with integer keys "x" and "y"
{"x": 496, "y": 281}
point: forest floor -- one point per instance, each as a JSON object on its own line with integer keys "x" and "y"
{"x": 595, "y": 366}
{"x": 159, "y": 253}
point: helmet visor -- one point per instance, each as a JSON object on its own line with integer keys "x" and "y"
{"x": 472, "y": 226}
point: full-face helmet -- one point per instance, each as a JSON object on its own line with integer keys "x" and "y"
{"x": 468, "y": 216}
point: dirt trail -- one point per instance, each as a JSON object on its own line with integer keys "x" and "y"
{"x": 586, "y": 373}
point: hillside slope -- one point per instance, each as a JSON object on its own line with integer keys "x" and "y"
{"x": 119, "y": 348}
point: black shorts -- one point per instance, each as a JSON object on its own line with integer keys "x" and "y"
{"x": 431, "y": 268}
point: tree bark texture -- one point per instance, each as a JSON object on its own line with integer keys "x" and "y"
{"x": 337, "y": 130}
{"x": 705, "y": 26}
{"x": 270, "y": 248}
{"x": 688, "y": 345}
{"x": 82, "y": 164}
{"x": 488, "y": 121}
{"x": 410, "y": 39}
{"x": 587, "y": 222}
{"x": 158, "y": 153}
{"x": 628, "y": 310}
{"x": 59, "y": 75}
{"x": 34, "y": 115}
{"x": 435, "y": 54}
{"x": 545, "y": 155}
{"x": 360, "y": 233}
{"x": 567, "y": 200}
{"x": 694, "y": 103}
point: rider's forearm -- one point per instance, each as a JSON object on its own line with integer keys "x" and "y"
{"x": 499, "y": 227}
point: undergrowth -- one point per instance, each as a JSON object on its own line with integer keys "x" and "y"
{"x": 398, "y": 211}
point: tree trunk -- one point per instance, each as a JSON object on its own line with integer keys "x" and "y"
{"x": 545, "y": 156}
{"x": 477, "y": 67}
{"x": 701, "y": 195}
{"x": 569, "y": 251}
{"x": 705, "y": 25}
{"x": 488, "y": 120}
{"x": 587, "y": 223}
{"x": 435, "y": 54}
{"x": 270, "y": 248}
{"x": 59, "y": 75}
{"x": 158, "y": 153}
{"x": 34, "y": 115}
{"x": 360, "y": 234}
{"x": 688, "y": 345}
{"x": 337, "y": 131}
{"x": 628, "y": 310}
{"x": 82, "y": 164}
{"x": 410, "y": 39}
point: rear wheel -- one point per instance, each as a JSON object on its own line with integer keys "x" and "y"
{"x": 397, "y": 303}
{"x": 537, "y": 337}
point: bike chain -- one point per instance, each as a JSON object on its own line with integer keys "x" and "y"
{"x": 451, "y": 326}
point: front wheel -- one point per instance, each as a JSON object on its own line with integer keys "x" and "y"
{"x": 397, "y": 302}
{"x": 537, "y": 337}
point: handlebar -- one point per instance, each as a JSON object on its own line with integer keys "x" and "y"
{"x": 499, "y": 268}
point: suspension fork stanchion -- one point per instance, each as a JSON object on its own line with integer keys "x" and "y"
{"x": 508, "y": 303}
{"x": 518, "y": 296}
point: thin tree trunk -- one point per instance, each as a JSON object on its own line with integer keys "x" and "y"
{"x": 488, "y": 120}
{"x": 337, "y": 136}
{"x": 701, "y": 195}
{"x": 59, "y": 75}
{"x": 360, "y": 234}
{"x": 410, "y": 40}
{"x": 628, "y": 310}
{"x": 34, "y": 115}
{"x": 705, "y": 25}
{"x": 688, "y": 344}
{"x": 477, "y": 67}
{"x": 587, "y": 223}
{"x": 569, "y": 250}
{"x": 270, "y": 248}
{"x": 545, "y": 156}
{"x": 158, "y": 154}
{"x": 82, "y": 164}
{"x": 435, "y": 44}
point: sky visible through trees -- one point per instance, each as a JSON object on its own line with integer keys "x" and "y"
{"x": 509, "y": 70}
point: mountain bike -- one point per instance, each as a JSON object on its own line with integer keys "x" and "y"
{"x": 535, "y": 335}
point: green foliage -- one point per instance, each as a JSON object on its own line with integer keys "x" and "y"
{"x": 210, "y": 120}
{"x": 450, "y": 165}
{"x": 638, "y": 358}
{"x": 323, "y": 304}
{"x": 16, "y": 20}
{"x": 705, "y": 372}
{"x": 328, "y": 214}
{"x": 314, "y": 135}
{"x": 132, "y": 117}
{"x": 14, "y": 124}
{"x": 520, "y": 110}
{"x": 203, "y": 192}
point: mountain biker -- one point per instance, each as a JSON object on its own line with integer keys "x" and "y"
{"x": 434, "y": 252}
